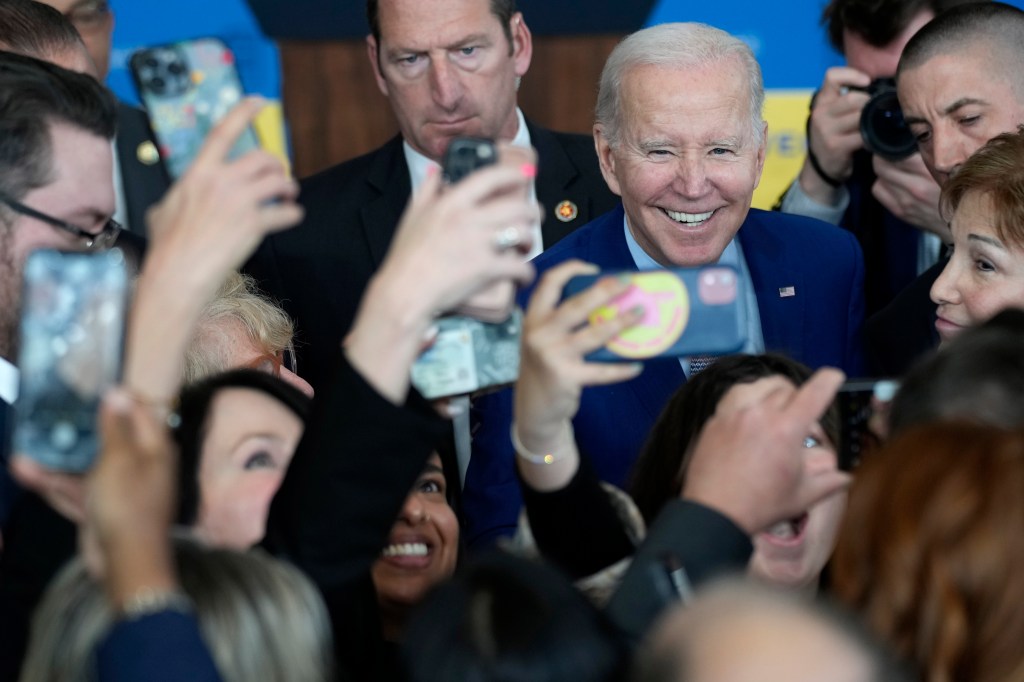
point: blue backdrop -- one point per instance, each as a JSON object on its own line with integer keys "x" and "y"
{"x": 786, "y": 38}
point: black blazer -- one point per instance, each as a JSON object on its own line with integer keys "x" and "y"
{"x": 904, "y": 331}
{"x": 143, "y": 176}
{"x": 318, "y": 270}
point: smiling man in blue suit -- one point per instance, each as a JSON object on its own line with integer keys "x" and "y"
{"x": 681, "y": 139}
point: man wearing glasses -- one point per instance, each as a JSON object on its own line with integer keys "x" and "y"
{"x": 55, "y": 168}
{"x": 140, "y": 177}
{"x": 56, "y": 162}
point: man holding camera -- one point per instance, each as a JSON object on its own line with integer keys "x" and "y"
{"x": 887, "y": 198}
{"x": 960, "y": 84}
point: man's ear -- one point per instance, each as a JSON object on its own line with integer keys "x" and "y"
{"x": 606, "y": 159}
{"x": 522, "y": 44}
{"x": 373, "y": 52}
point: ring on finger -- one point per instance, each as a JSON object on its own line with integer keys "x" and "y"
{"x": 508, "y": 238}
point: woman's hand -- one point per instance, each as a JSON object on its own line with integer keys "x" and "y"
{"x": 130, "y": 501}
{"x": 553, "y": 369}
{"x": 453, "y": 242}
{"x": 209, "y": 222}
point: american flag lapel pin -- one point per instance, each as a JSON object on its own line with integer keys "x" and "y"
{"x": 786, "y": 292}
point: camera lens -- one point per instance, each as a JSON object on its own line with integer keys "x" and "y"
{"x": 882, "y": 126}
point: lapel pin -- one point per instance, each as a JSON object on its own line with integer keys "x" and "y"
{"x": 566, "y": 211}
{"x": 147, "y": 153}
{"x": 786, "y": 292}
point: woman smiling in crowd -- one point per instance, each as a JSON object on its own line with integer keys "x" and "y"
{"x": 986, "y": 271}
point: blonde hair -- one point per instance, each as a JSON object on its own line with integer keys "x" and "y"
{"x": 261, "y": 618}
{"x": 238, "y": 299}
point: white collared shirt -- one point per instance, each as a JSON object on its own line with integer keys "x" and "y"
{"x": 419, "y": 166}
{"x": 120, "y": 200}
{"x": 9, "y": 378}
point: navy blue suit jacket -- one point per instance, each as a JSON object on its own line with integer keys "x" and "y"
{"x": 166, "y": 645}
{"x": 820, "y": 325}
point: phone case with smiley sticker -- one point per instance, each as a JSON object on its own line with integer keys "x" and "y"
{"x": 687, "y": 312}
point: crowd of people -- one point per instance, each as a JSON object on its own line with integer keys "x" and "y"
{"x": 272, "y": 498}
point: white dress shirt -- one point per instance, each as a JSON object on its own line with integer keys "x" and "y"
{"x": 419, "y": 166}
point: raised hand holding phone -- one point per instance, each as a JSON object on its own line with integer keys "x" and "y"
{"x": 448, "y": 246}
{"x": 208, "y": 224}
{"x": 554, "y": 369}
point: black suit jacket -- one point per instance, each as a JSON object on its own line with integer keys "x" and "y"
{"x": 899, "y": 334}
{"x": 319, "y": 270}
{"x": 143, "y": 177}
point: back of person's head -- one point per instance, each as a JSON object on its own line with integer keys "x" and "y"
{"x": 238, "y": 300}
{"x": 737, "y": 630}
{"x": 32, "y": 28}
{"x": 660, "y": 471}
{"x": 995, "y": 172}
{"x": 675, "y": 46}
{"x": 35, "y": 94}
{"x": 977, "y": 377}
{"x": 878, "y": 22}
{"x": 194, "y": 417}
{"x": 931, "y": 551}
{"x": 261, "y": 618}
{"x": 507, "y": 618}
{"x": 994, "y": 27}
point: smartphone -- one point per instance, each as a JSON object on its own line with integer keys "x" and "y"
{"x": 72, "y": 335}
{"x": 469, "y": 356}
{"x": 187, "y": 88}
{"x": 464, "y": 156}
{"x": 687, "y": 311}
{"x": 856, "y": 406}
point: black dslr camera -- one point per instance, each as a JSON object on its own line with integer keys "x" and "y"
{"x": 881, "y": 122}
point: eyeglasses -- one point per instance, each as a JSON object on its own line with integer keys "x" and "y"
{"x": 272, "y": 363}
{"x": 89, "y": 15}
{"x": 93, "y": 242}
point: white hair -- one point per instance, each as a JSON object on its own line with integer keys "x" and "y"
{"x": 675, "y": 45}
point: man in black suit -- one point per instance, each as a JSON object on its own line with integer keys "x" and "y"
{"x": 141, "y": 178}
{"x": 449, "y": 68}
{"x": 959, "y": 87}
{"x": 64, "y": 120}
